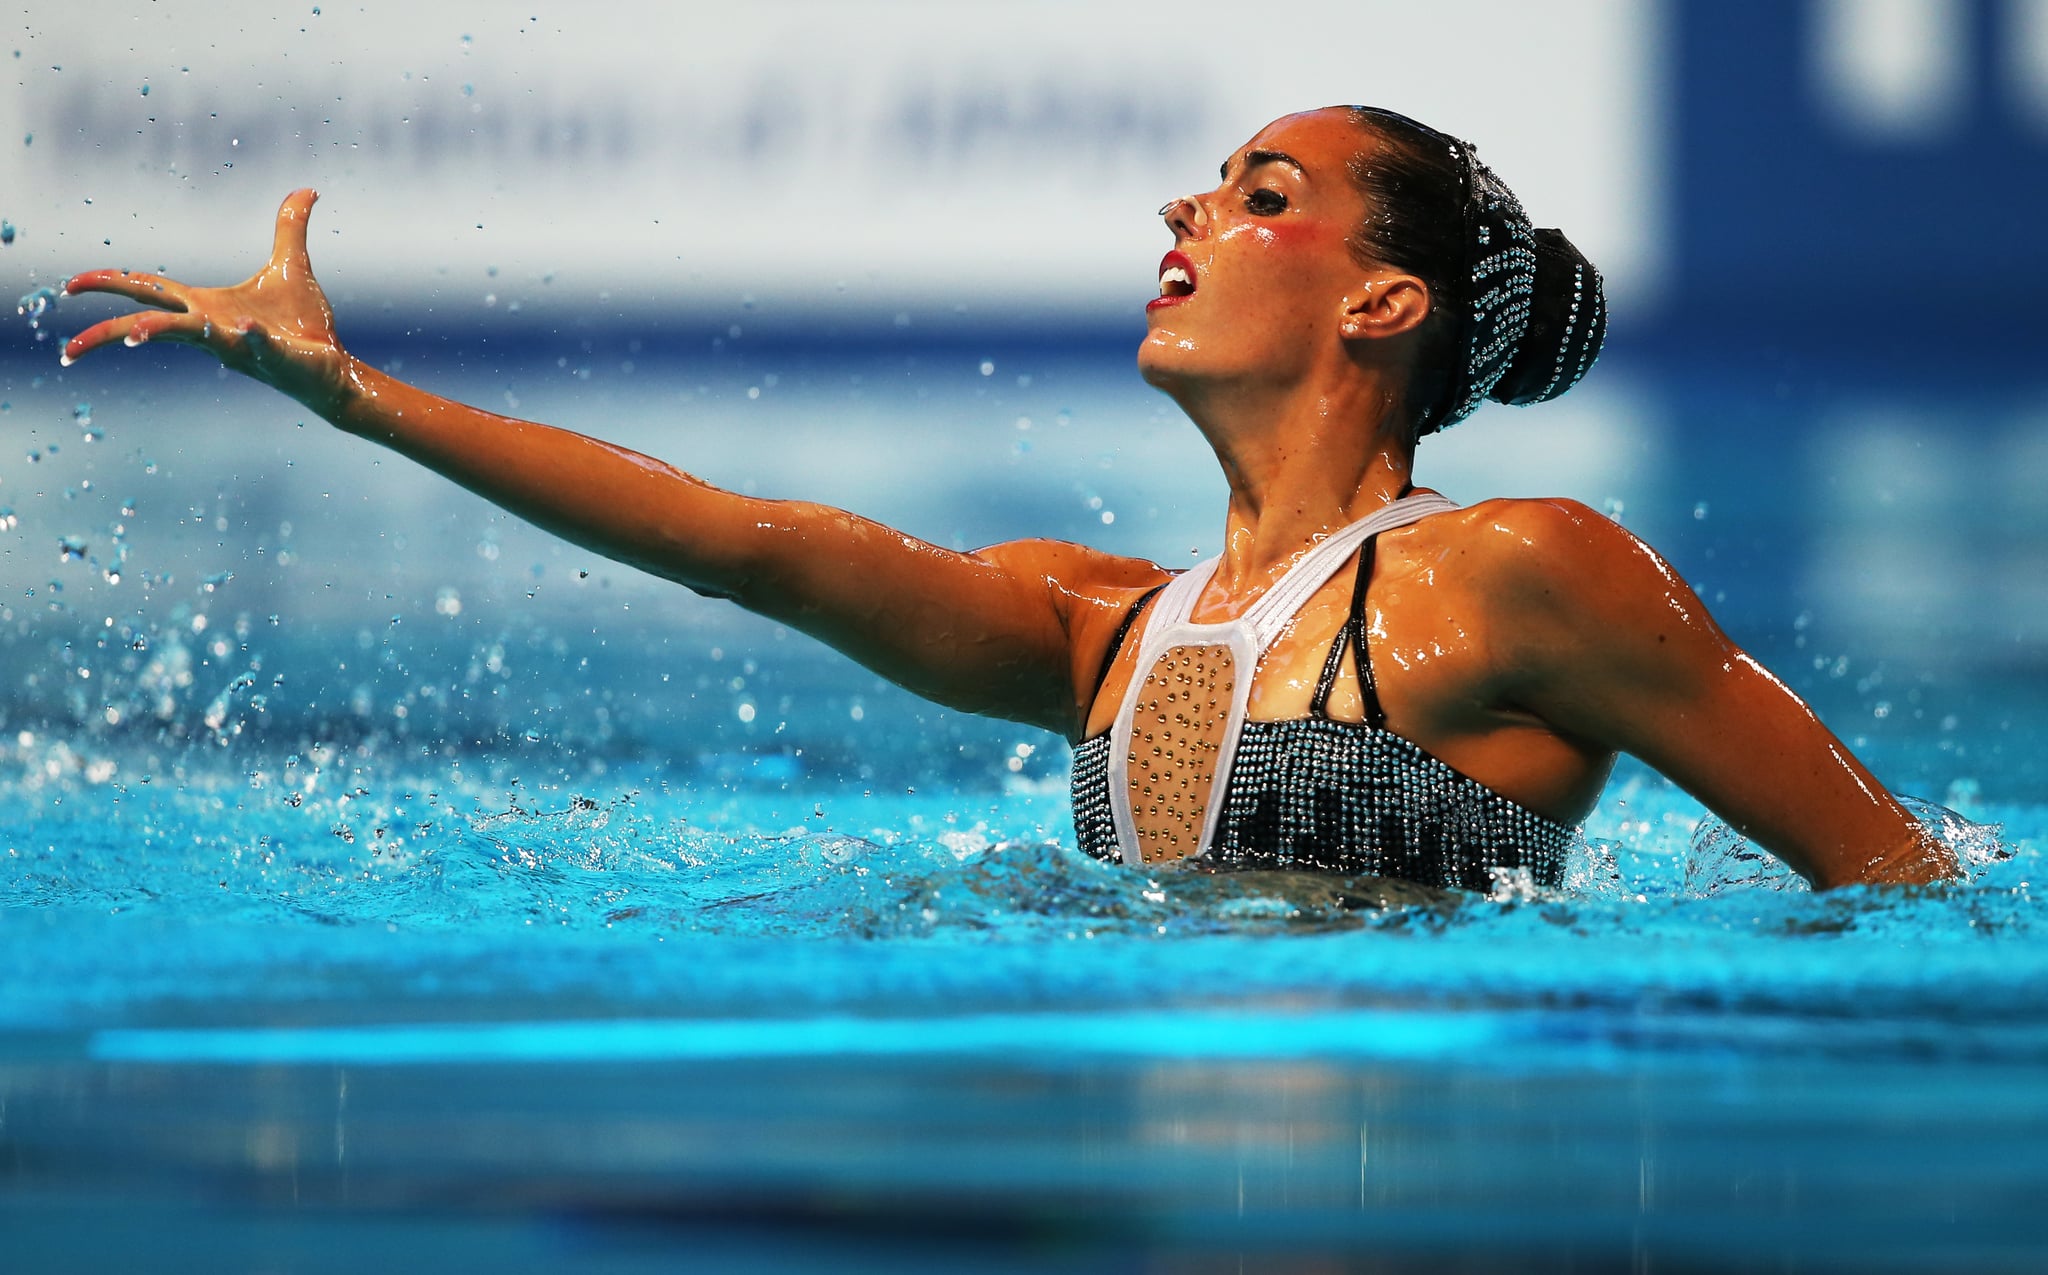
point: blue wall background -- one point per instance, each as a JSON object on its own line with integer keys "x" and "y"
{"x": 1794, "y": 232}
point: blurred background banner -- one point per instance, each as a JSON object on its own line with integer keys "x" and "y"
{"x": 1004, "y": 157}
{"x": 893, "y": 255}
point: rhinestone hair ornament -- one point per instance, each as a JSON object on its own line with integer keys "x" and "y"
{"x": 1500, "y": 249}
{"x": 1518, "y": 310}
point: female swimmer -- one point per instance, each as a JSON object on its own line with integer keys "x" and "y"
{"x": 1369, "y": 679}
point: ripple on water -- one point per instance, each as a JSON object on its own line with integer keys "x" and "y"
{"x": 345, "y": 861}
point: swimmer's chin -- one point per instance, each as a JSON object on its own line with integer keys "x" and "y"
{"x": 1166, "y": 360}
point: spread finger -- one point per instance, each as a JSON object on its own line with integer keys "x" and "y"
{"x": 99, "y": 334}
{"x": 145, "y": 289}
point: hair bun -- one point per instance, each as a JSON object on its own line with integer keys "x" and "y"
{"x": 1567, "y": 323}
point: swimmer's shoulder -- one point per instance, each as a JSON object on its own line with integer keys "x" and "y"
{"x": 1528, "y": 551}
{"x": 1078, "y": 572}
{"x": 1563, "y": 589}
{"x": 1091, "y": 593}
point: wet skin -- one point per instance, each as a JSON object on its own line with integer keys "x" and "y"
{"x": 1524, "y": 642}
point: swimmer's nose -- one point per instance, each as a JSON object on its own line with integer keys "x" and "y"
{"x": 1185, "y": 218}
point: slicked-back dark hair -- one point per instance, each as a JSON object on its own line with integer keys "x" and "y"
{"x": 1418, "y": 185}
{"x": 1414, "y": 188}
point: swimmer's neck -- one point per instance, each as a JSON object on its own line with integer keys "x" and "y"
{"x": 1300, "y": 466}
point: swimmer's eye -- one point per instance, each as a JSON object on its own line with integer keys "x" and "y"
{"x": 1266, "y": 203}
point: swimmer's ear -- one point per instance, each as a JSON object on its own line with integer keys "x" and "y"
{"x": 1385, "y": 305}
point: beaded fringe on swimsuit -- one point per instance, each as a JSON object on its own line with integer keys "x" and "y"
{"x": 1347, "y": 797}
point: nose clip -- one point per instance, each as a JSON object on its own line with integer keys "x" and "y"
{"x": 1184, "y": 216}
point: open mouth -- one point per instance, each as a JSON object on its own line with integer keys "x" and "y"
{"x": 1176, "y": 279}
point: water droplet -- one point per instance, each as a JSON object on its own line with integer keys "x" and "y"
{"x": 36, "y": 304}
{"x": 70, "y": 549}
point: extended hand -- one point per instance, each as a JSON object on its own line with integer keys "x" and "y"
{"x": 275, "y": 326}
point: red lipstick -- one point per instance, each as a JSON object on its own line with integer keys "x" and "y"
{"x": 1176, "y": 280}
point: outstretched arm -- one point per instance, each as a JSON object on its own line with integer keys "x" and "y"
{"x": 1003, "y": 631}
{"x": 1614, "y": 648}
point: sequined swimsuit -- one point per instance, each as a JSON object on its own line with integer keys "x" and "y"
{"x": 1351, "y": 797}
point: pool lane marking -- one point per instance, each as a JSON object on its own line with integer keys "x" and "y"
{"x": 1377, "y": 1034}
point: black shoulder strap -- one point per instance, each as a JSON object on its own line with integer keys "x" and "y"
{"x": 1368, "y": 687}
{"x": 1353, "y": 634}
{"x": 1319, "y": 703}
{"x": 1117, "y": 643}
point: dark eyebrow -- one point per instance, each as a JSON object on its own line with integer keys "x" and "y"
{"x": 1252, "y": 159}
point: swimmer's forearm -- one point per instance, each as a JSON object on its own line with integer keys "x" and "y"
{"x": 610, "y": 499}
{"x": 1919, "y": 859}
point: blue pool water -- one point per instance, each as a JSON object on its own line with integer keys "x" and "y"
{"x": 380, "y": 880}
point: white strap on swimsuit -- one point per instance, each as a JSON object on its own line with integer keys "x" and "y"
{"x": 1175, "y": 736}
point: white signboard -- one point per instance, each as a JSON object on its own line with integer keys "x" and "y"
{"x": 850, "y": 157}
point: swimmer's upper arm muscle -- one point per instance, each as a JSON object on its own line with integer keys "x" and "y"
{"x": 1009, "y": 630}
{"x": 1605, "y": 642}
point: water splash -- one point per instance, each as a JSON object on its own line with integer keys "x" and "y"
{"x": 36, "y": 304}
{"x": 1723, "y": 860}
